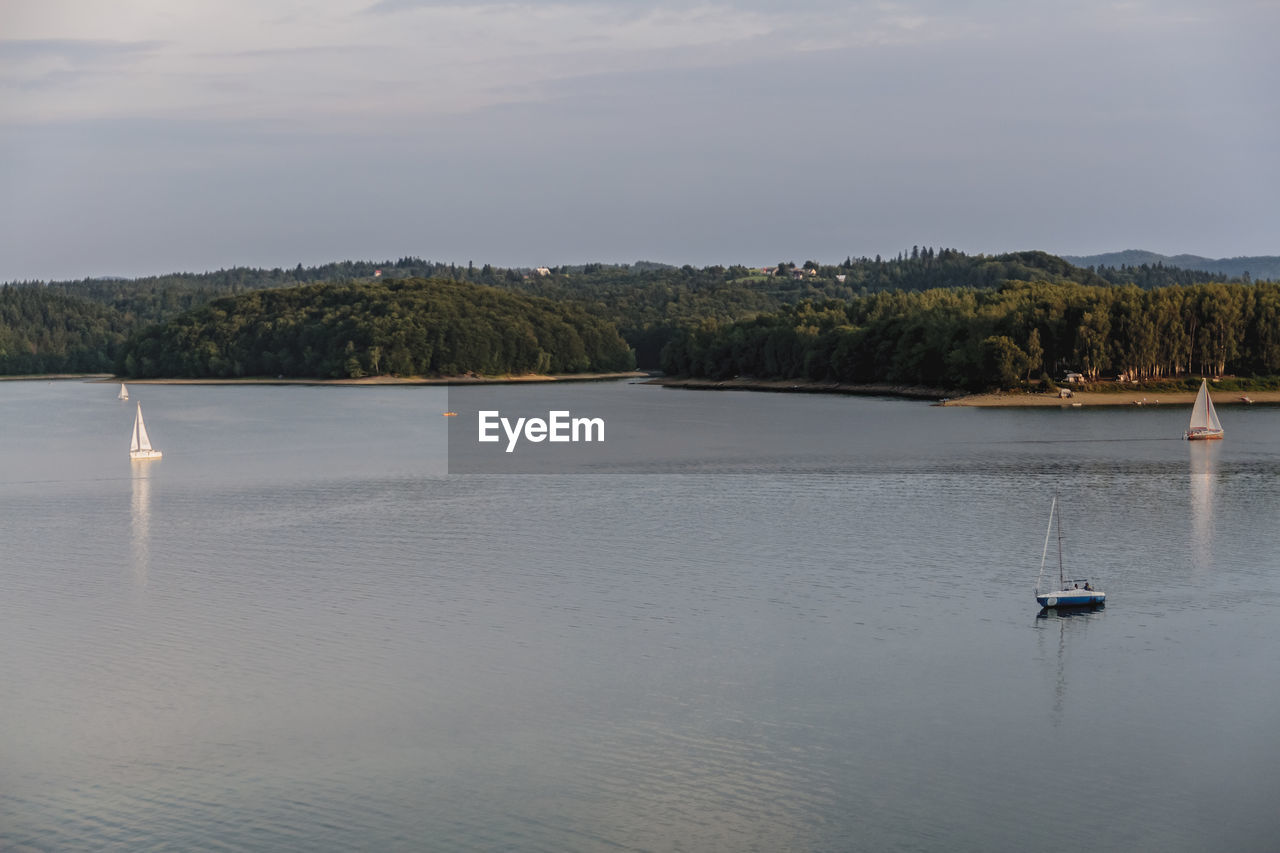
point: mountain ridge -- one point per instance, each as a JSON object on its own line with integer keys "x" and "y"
{"x": 1259, "y": 267}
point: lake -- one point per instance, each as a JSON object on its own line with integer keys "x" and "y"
{"x": 326, "y": 620}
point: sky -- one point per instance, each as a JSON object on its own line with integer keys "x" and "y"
{"x": 141, "y": 137}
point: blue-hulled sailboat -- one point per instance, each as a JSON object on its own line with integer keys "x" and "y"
{"x": 1076, "y": 592}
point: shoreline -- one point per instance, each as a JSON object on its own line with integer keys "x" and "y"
{"x": 995, "y": 399}
{"x": 369, "y": 380}
{"x": 1136, "y": 398}
{"x": 49, "y": 377}
{"x": 1133, "y": 399}
{"x": 803, "y": 386}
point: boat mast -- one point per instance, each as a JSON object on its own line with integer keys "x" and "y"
{"x": 1062, "y": 581}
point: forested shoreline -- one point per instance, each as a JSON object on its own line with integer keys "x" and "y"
{"x": 931, "y": 316}
{"x": 976, "y": 339}
{"x": 50, "y": 332}
{"x": 412, "y": 327}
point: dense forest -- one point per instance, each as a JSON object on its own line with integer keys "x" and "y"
{"x": 414, "y": 327}
{"x": 157, "y": 298}
{"x": 650, "y": 303}
{"x": 653, "y": 304}
{"x": 49, "y": 332}
{"x": 77, "y": 326}
{"x": 967, "y": 338}
{"x": 1150, "y": 276}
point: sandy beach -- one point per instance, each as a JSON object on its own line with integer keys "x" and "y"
{"x": 1113, "y": 398}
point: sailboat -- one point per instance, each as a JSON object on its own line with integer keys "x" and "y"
{"x": 1204, "y": 420}
{"x": 1077, "y": 592}
{"x": 124, "y": 393}
{"x": 140, "y": 447}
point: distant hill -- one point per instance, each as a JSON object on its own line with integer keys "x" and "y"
{"x": 647, "y": 302}
{"x": 1259, "y": 267}
{"x": 411, "y": 327}
{"x": 66, "y": 326}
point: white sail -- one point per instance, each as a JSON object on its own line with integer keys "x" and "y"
{"x": 140, "y": 444}
{"x": 1214, "y": 423}
{"x": 1203, "y": 415}
{"x": 124, "y": 393}
{"x": 141, "y": 441}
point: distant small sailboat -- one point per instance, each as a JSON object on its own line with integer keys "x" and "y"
{"x": 1204, "y": 420}
{"x": 1077, "y": 592}
{"x": 140, "y": 447}
{"x": 124, "y": 393}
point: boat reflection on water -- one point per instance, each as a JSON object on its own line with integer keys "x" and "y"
{"x": 140, "y": 517}
{"x": 1203, "y": 482}
{"x": 1078, "y": 619}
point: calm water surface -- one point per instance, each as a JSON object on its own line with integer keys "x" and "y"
{"x": 772, "y": 622}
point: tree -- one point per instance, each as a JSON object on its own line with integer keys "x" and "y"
{"x": 1003, "y": 363}
{"x": 1035, "y": 353}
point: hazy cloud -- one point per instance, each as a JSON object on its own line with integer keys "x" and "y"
{"x": 151, "y": 135}
{"x": 77, "y": 51}
{"x": 432, "y": 58}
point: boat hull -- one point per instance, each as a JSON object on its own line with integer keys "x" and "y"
{"x": 1071, "y": 598}
{"x": 143, "y": 455}
{"x": 1201, "y": 434}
